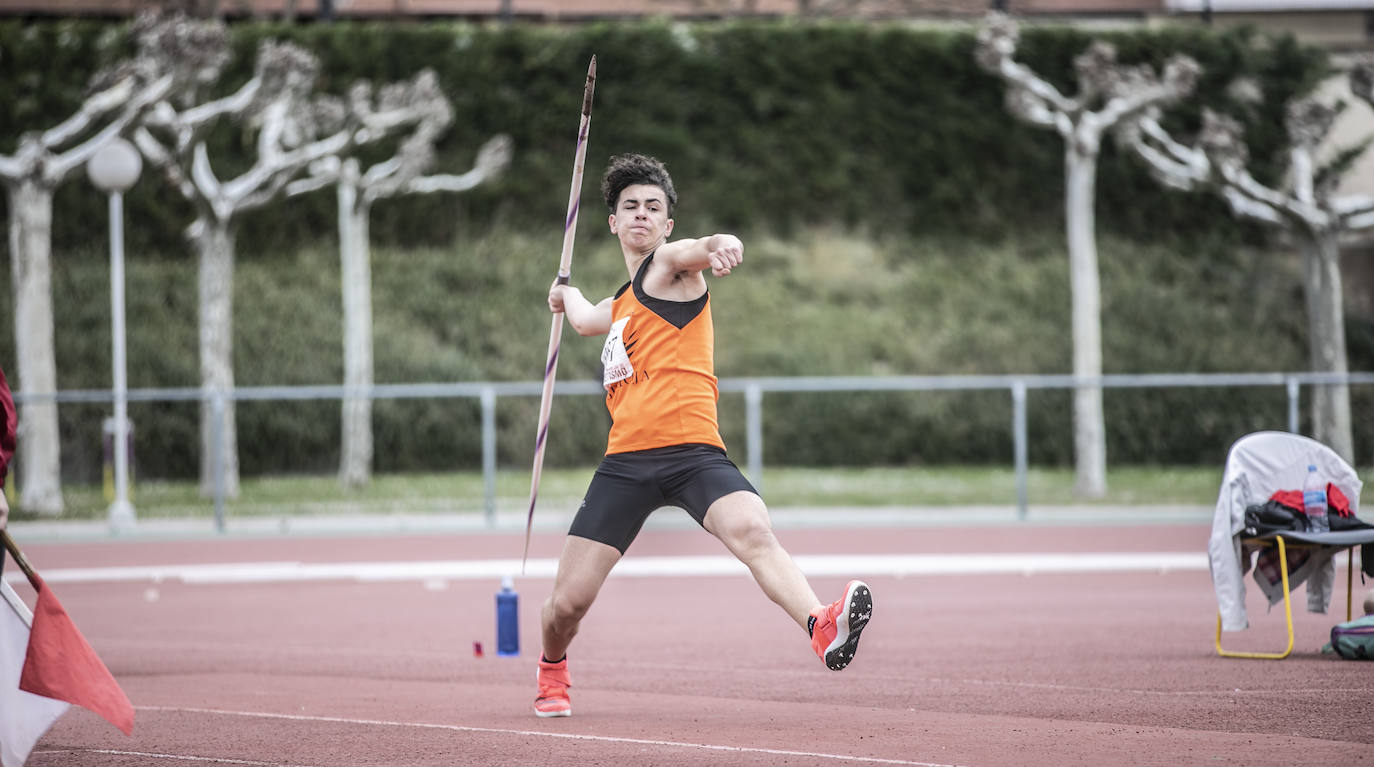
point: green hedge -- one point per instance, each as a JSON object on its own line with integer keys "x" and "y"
{"x": 881, "y": 126}
{"x": 898, "y": 221}
{"x": 818, "y": 303}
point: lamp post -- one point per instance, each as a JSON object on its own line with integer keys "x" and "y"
{"x": 113, "y": 169}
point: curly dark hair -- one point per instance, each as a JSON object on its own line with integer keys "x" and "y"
{"x": 630, "y": 169}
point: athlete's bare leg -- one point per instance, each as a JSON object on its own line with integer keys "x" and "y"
{"x": 582, "y": 569}
{"x": 740, "y": 521}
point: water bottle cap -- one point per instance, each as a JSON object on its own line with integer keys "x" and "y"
{"x": 507, "y": 583}
{"x": 1311, "y": 467}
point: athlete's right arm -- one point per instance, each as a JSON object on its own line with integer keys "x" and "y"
{"x": 587, "y": 319}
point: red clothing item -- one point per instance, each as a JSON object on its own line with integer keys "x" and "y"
{"x": 7, "y": 429}
{"x": 1335, "y": 499}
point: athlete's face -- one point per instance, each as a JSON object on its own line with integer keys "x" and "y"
{"x": 641, "y": 218}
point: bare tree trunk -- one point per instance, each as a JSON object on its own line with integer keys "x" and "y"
{"x": 355, "y": 463}
{"x": 215, "y": 244}
{"x": 1321, "y": 280}
{"x": 1089, "y": 430}
{"x": 1123, "y": 92}
{"x": 40, "y": 467}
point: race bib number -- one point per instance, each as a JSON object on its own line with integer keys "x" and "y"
{"x": 615, "y": 360}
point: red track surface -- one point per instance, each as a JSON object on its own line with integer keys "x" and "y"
{"x": 974, "y": 670}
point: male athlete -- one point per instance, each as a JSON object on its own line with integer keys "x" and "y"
{"x": 665, "y": 447}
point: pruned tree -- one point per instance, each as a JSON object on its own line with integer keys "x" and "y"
{"x": 294, "y": 128}
{"x": 1108, "y": 93}
{"x": 42, "y": 161}
{"x": 1305, "y": 206}
{"x": 357, "y": 190}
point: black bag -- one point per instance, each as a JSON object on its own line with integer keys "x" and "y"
{"x": 1274, "y": 517}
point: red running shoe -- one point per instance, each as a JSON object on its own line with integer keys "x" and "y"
{"x": 554, "y": 682}
{"x": 835, "y": 632}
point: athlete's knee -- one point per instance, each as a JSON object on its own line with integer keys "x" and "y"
{"x": 748, "y": 534}
{"x": 563, "y": 607}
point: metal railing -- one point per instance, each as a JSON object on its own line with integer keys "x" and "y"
{"x": 753, "y": 389}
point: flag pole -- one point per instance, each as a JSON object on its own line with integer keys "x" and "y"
{"x": 564, "y": 276}
{"x": 19, "y": 557}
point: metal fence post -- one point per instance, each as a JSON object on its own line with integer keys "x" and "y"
{"x": 489, "y": 453}
{"x": 217, "y": 454}
{"x": 1294, "y": 392}
{"x": 753, "y": 420}
{"x": 1019, "y": 439}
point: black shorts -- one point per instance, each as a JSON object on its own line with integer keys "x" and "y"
{"x": 628, "y": 487}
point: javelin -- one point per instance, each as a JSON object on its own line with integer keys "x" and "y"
{"x": 564, "y": 275}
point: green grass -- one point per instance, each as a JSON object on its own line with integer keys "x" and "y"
{"x": 464, "y": 492}
{"x": 962, "y": 485}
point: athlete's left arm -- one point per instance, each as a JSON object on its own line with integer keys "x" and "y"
{"x": 719, "y": 252}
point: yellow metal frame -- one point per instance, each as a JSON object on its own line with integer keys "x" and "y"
{"x": 1288, "y": 606}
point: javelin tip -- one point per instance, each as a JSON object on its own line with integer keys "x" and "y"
{"x": 591, "y": 86}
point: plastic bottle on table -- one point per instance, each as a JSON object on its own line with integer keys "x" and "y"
{"x": 507, "y": 619}
{"x": 1314, "y": 501}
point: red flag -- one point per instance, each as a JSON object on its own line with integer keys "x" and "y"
{"x": 61, "y": 664}
{"x": 24, "y": 717}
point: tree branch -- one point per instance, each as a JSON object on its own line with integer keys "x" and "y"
{"x": 1352, "y": 205}
{"x": 492, "y": 160}
{"x": 265, "y": 192}
{"x": 285, "y": 164}
{"x": 1171, "y": 163}
{"x": 1240, "y": 180}
{"x": 997, "y": 41}
{"x": 207, "y": 185}
{"x": 1180, "y": 78}
{"x": 1358, "y": 221}
{"x": 158, "y": 156}
{"x": 91, "y": 109}
{"x": 320, "y": 174}
{"x": 73, "y": 159}
{"x": 1247, "y": 206}
{"x": 193, "y": 120}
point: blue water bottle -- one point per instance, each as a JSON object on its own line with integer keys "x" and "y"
{"x": 507, "y": 619}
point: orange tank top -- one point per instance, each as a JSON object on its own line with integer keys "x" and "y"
{"x": 659, "y": 371}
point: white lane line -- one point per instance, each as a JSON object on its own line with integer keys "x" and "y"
{"x": 541, "y": 734}
{"x": 639, "y": 567}
{"x": 176, "y": 757}
{"x": 1217, "y": 693}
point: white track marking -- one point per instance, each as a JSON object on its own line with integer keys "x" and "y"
{"x": 541, "y": 734}
{"x": 1217, "y": 693}
{"x": 640, "y": 567}
{"x": 860, "y": 677}
{"x": 174, "y": 757}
